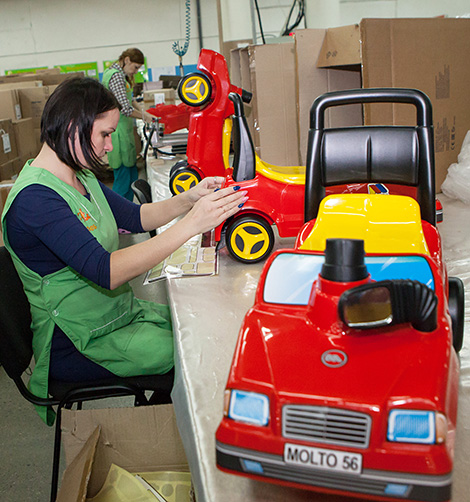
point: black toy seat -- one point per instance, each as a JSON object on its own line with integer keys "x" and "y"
{"x": 402, "y": 155}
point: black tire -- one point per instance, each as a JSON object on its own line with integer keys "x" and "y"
{"x": 457, "y": 311}
{"x": 195, "y": 89}
{"x": 183, "y": 179}
{"x": 249, "y": 239}
{"x": 178, "y": 165}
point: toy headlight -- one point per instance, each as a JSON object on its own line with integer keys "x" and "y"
{"x": 249, "y": 407}
{"x": 416, "y": 426}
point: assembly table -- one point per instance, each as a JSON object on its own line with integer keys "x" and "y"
{"x": 207, "y": 315}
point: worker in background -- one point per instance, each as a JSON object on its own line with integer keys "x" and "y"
{"x": 60, "y": 226}
{"x": 119, "y": 79}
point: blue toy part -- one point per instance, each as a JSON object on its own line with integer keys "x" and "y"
{"x": 291, "y": 276}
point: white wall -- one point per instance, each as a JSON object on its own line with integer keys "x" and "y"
{"x": 352, "y": 11}
{"x": 52, "y": 32}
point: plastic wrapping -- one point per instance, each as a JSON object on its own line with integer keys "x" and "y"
{"x": 457, "y": 182}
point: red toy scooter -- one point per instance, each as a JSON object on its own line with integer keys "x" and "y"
{"x": 209, "y": 124}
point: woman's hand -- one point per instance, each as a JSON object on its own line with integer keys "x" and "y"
{"x": 215, "y": 207}
{"x": 208, "y": 212}
{"x": 148, "y": 117}
{"x": 205, "y": 187}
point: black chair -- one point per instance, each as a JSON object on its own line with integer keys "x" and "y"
{"x": 143, "y": 193}
{"x": 16, "y": 354}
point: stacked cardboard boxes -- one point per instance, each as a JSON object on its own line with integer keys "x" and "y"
{"x": 425, "y": 54}
{"x": 22, "y": 99}
{"x": 9, "y": 161}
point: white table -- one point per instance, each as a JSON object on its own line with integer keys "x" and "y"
{"x": 207, "y": 315}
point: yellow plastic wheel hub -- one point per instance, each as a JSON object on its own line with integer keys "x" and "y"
{"x": 183, "y": 181}
{"x": 195, "y": 90}
{"x": 249, "y": 240}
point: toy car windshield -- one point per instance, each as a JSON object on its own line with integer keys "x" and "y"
{"x": 290, "y": 278}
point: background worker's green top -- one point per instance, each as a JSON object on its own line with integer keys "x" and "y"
{"x": 126, "y": 335}
{"x": 124, "y": 152}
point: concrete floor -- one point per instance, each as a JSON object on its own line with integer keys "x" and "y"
{"x": 26, "y": 443}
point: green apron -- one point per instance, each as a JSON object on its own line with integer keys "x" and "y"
{"x": 126, "y": 335}
{"x": 124, "y": 152}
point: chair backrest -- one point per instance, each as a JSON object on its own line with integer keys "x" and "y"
{"x": 402, "y": 155}
{"x": 142, "y": 191}
{"x": 15, "y": 320}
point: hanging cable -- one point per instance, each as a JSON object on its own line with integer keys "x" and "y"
{"x": 300, "y": 15}
{"x": 177, "y": 49}
{"x": 259, "y": 21}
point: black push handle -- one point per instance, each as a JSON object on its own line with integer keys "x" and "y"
{"x": 247, "y": 96}
{"x": 236, "y": 99}
{"x": 380, "y": 95}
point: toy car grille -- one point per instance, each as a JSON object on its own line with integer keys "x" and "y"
{"x": 321, "y": 424}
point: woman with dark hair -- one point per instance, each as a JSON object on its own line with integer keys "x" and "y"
{"x": 119, "y": 79}
{"x": 60, "y": 226}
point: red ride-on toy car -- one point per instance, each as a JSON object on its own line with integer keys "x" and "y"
{"x": 358, "y": 163}
{"x": 345, "y": 374}
{"x": 209, "y": 121}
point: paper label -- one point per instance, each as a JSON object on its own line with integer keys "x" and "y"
{"x": 159, "y": 98}
{"x": 18, "y": 112}
{"x": 6, "y": 143}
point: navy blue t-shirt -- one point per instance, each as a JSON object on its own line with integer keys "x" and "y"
{"x": 47, "y": 236}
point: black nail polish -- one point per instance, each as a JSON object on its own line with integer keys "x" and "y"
{"x": 236, "y": 188}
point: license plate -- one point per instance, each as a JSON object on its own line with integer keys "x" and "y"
{"x": 321, "y": 458}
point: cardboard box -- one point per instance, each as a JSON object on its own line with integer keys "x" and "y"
{"x": 10, "y": 170}
{"x": 10, "y": 107}
{"x": 8, "y": 148}
{"x": 25, "y": 137}
{"x": 428, "y": 54}
{"x": 240, "y": 76}
{"x": 159, "y": 96}
{"x": 5, "y": 187}
{"x": 50, "y": 76}
{"x": 19, "y": 77}
{"x": 33, "y": 100}
{"x": 313, "y": 82}
{"x": 55, "y": 78}
{"x": 21, "y": 85}
{"x": 274, "y": 123}
{"x": 140, "y": 439}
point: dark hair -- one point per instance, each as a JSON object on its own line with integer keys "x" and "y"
{"x": 73, "y": 108}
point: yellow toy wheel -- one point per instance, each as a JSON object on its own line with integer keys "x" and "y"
{"x": 195, "y": 89}
{"x": 183, "y": 179}
{"x": 249, "y": 239}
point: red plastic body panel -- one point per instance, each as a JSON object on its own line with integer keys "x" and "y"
{"x": 278, "y": 354}
{"x": 204, "y": 150}
{"x": 173, "y": 117}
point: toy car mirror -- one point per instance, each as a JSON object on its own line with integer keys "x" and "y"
{"x": 384, "y": 303}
